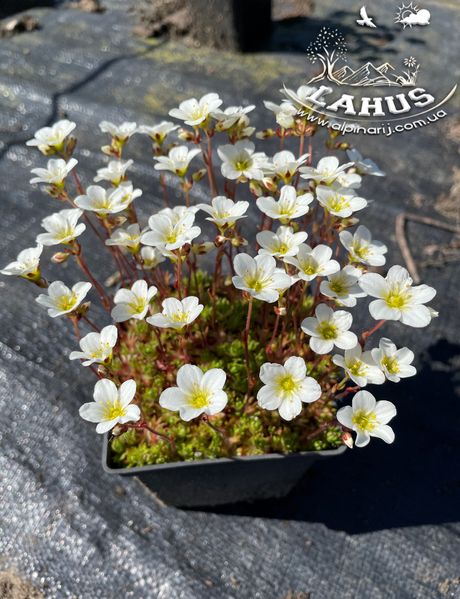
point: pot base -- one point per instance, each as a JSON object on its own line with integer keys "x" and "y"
{"x": 206, "y": 483}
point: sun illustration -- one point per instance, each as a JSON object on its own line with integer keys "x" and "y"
{"x": 410, "y": 14}
{"x": 405, "y": 11}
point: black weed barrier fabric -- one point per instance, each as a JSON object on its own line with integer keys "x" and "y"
{"x": 377, "y": 523}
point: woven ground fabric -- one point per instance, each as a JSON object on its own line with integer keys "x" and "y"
{"x": 380, "y": 523}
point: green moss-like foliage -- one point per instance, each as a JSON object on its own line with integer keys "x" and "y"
{"x": 215, "y": 341}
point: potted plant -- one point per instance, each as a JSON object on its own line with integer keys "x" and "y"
{"x": 225, "y": 383}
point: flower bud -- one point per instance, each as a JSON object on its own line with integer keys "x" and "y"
{"x": 70, "y": 146}
{"x": 198, "y": 175}
{"x": 186, "y": 135}
{"x": 347, "y": 439}
{"x": 270, "y": 184}
{"x": 266, "y": 133}
{"x": 280, "y": 310}
{"x": 255, "y": 188}
{"x": 60, "y": 257}
{"x": 203, "y": 248}
{"x": 117, "y": 430}
{"x": 239, "y": 241}
{"x": 220, "y": 240}
{"x": 101, "y": 370}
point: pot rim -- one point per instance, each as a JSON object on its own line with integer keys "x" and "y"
{"x": 212, "y": 461}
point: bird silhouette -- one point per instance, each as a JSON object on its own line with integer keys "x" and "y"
{"x": 365, "y": 21}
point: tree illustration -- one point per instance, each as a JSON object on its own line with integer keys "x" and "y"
{"x": 327, "y": 48}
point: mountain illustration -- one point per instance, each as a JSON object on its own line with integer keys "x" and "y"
{"x": 368, "y": 75}
{"x": 343, "y": 72}
{"x": 328, "y": 51}
{"x": 385, "y": 67}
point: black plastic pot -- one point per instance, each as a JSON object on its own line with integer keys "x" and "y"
{"x": 205, "y": 483}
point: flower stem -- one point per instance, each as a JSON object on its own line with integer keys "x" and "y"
{"x": 100, "y": 290}
{"x": 365, "y": 336}
{"x": 246, "y": 339}
{"x": 209, "y": 166}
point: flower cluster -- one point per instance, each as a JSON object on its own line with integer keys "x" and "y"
{"x": 276, "y": 309}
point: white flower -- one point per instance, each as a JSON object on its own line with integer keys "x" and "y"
{"x": 240, "y": 160}
{"x": 193, "y": 111}
{"x": 96, "y": 348}
{"x": 129, "y": 238}
{"x": 360, "y": 366}
{"x": 396, "y": 364}
{"x": 231, "y": 116}
{"x": 364, "y": 166}
{"x": 120, "y": 132}
{"x": 61, "y": 300}
{"x": 327, "y": 171}
{"x": 343, "y": 286}
{"x": 398, "y": 300}
{"x": 285, "y": 164}
{"x": 286, "y": 387}
{"x": 223, "y": 211}
{"x": 329, "y": 328}
{"x": 300, "y": 98}
{"x": 368, "y": 418}
{"x": 52, "y": 138}
{"x": 313, "y": 263}
{"x": 177, "y": 313}
{"x": 61, "y": 227}
{"x": 55, "y": 172}
{"x": 196, "y": 392}
{"x": 158, "y": 132}
{"x": 361, "y": 247}
{"x": 170, "y": 232}
{"x": 260, "y": 277}
{"x": 111, "y": 406}
{"x": 340, "y": 202}
{"x": 284, "y": 113}
{"x": 134, "y": 302}
{"x": 26, "y": 265}
{"x": 151, "y": 257}
{"x": 127, "y": 193}
{"x": 177, "y": 161}
{"x": 289, "y": 205}
{"x": 282, "y": 243}
{"x": 102, "y": 201}
{"x": 114, "y": 172}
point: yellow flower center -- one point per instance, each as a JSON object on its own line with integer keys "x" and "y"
{"x": 397, "y": 297}
{"x": 64, "y": 233}
{"x": 137, "y": 306}
{"x": 179, "y": 316}
{"x": 391, "y": 364}
{"x": 283, "y": 248}
{"x": 67, "y": 302}
{"x": 286, "y": 384}
{"x": 338, "y": 203}
{"x": 254, "y": 283}
{"x": 113, "y": 410}
{"x": 199, "y": 398}
{"x": 357, "y": 368}
{"x": 243, "y": 164}
{"x": 338, "y": 287}
{"x": 309, "y": 268}
{"x": 365, "y": 421}
{"x": 327, "y": 330}
{"x": 360, "y": 250}
{"x": 287, "y": 209}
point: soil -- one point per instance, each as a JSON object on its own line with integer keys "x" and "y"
{"x": 14, "y": 587}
